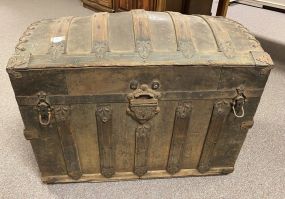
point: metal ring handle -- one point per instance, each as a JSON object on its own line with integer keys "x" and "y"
{"x": 47, "y": 122}
{"x": 242, "y": 112}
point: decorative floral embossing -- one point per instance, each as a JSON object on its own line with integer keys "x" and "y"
{"x": 183, "y": 110}
{"x": 227, "y": 48}
{"x": 100, "y": 49}
{"x": 108, "y": 172}
{"x": 104, "y": 112}
{"x": 140, "y": 171}
{"x": 61, "y": 112}
{"x": 173, "y": 168}
{"x": 143, "y": 48}
{"x": 265, "y": 58}
{"x": 187, "y": 48}
{"x": 56, "y": 49}
{"x": 19, "y": 59}
{"x": 221, "y": 107}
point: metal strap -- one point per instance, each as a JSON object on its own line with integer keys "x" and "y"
{"x": 220, "y": 112}
{"x": 141, "y": 151}
{"x": 185, "y": 43}
{"x": 105, "y": 138}
{"x": 142, "y": 33}
{"x": 180, "y": 129}
{"x": 69, "y": 148}
{"x": 100, "y": 34}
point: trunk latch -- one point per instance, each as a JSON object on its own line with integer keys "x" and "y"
{"x": 44, "y": 109}
{"x": 238, "y": 104}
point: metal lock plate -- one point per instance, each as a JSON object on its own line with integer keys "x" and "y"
{"x": 143, "y": 104}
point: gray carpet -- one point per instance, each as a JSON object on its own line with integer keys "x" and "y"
{"x": 260, "y": 170}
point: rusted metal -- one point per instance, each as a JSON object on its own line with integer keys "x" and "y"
{"x": 106, "y": 139}
{"x": 180, "y": 129}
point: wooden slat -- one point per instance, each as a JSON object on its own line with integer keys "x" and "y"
{"x": 100, "y": 44}
{"x": 58, "y": 40}
{"x": 183, "y": 34}
{"x": 142, "y": 33}
{"x": 223, "y": 39}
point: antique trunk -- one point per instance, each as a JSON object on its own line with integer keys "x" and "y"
{"x": 137, "y": 95}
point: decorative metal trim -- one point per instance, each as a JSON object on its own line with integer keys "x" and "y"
{"x": 56, "y": 49}
{"x": 18, "y": 60}
{"x": 141, "y": 151}
{"x": 262, "y": 58}
{"x": 62, "y": 113}
{"x": 142, "y": 110}
{"x": 143, "y": 48}
{"x": 185, "y": 43}
{"x": 100, "y": 44}
{"x": 180, "y": 129}
{"x": 183, "y": 110}
{"x": 143, "y": 106}
{"x": 106, "y": 139}
{"x": 223, "y": 40}
{"x": 100, "y": 49}
{"x": 219, "y": 115}
{"x": 59, "y": 38}
{"x": 104, "y": 112}
{"x": 142, "y": 33}
{"x": 68, "y": 144}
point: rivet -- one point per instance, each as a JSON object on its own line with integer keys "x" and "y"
{"x": 155, "y": 85}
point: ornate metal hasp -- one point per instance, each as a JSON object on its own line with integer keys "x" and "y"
{"x": 180, "y": 128}
{"x": 106, "y": 141}
{"x": 143, "y": 106}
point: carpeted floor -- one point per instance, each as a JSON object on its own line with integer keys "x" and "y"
{"x": 260, "y": 170}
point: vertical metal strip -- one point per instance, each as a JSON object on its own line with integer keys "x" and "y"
{"x": 180, "y": 129}
{"x": 141, "y": 151}
{"x": 100, "y": 44}
{"x": 105, "y": 138}
{"x": 185, "y": 43}
{"x": 219, "y": 115}
{"x": 142, "y": 33}
{"x": 69, "y": 148}
{"x": 221, "y": 36}
{"x": 59, "y": 37}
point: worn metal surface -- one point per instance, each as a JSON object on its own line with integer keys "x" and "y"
{"x": 137, "y": 94}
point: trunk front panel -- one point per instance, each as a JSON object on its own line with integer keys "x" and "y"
{"x": 109, "y": 126}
